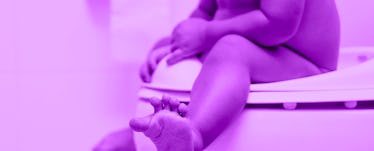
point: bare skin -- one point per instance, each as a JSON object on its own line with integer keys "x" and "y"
{"x": 242, "y": 41}
{"x": 167, "y": 121}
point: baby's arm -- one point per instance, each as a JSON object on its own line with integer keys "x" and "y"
{"x": 274, "y": 23}
{"x": 205, "y": 9}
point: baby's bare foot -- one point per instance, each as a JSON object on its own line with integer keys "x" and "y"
{"x": 166, "y": 103}
{"x": 171, "y": 132}
{"x": 174, "y": 105}
{"x": 167, "y": 128}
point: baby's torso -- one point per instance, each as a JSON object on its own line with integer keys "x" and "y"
{"x": 231, "y": 8}
{"x": 317, "y": 37}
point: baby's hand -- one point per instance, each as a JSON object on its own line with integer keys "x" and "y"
{"x": 154, "y": 57}
{"x": 188, "y": 39}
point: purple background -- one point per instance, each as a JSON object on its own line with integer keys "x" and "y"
{"x": 69, "y": 68}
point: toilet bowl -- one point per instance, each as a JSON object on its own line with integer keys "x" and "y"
{"x": 352, "y": 82}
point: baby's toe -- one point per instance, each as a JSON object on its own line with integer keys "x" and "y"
{"x": 140, "y": 124}
{"x": 174, "y": 104}
{"x": 156, "y": 103}
{"x": 165, "y": 102}
{"x": 182, "y": 109}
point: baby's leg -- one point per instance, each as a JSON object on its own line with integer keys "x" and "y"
{"x": 167, "y": 128}
{"x": 220, "y": 92}
{"x": 124, "y": 140}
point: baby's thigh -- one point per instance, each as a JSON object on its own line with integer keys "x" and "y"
{"x": 279, "y": 63}
{"x": 264, "y": 64}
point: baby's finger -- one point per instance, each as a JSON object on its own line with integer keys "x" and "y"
{"x": 162, "y": 55}
{"x": 144, "y": 74}
{"x": 172, "y": 39}
{"x": 173, "y": 48}
{"x": 152, "y": 63}
{"x": 175, "y": 44}
{"x": 177, "y": 56}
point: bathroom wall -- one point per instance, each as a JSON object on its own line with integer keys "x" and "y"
{"x": 60, "y": 88}
{"x": 357, "y": 22}
{"x": 133, "y": 25}
{"x": 8, "y": 134}
{"x": 137, "y": 24}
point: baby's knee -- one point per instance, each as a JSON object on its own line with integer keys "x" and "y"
{"x": 231, "y": 48}
{"x": 231, "y": 40}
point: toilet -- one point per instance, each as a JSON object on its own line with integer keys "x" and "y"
{"x": 331, "y": 111}
{"x": 352, "y": 82}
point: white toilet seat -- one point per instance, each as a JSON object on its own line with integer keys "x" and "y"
{"x": 353, "y": 81}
